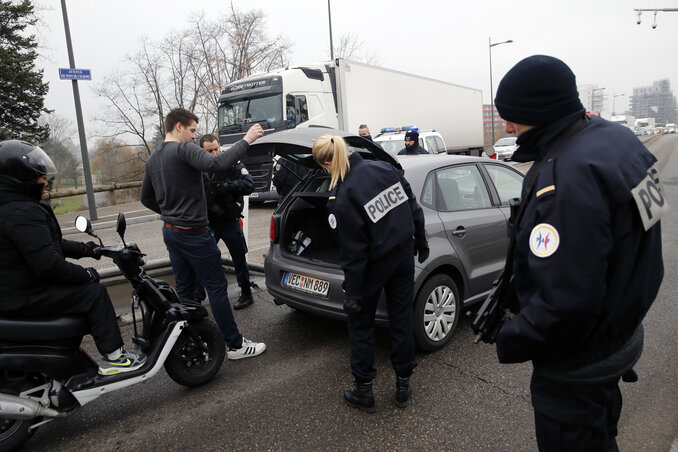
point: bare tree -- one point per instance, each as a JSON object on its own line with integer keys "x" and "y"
{"x": 188, "y": 69}
{"x": 352, "y": 48}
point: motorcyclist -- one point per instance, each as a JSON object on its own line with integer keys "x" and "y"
{"x": 36, "y": 280}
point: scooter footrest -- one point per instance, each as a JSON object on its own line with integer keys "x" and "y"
{"x": 141, "y": 342}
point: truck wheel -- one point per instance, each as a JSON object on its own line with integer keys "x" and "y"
{"x": 436, "y": 312}
{"x": 188, "y": 364}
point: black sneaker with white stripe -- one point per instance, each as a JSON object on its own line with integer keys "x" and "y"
{"x": 247, "y": 350}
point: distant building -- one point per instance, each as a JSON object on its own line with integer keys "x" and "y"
{"x": 499, "y": 124}
{"x": 656, "y": 101}
{"x": 591, "y": 97}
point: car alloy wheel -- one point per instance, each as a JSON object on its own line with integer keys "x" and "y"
{"x": 436, "y": 312}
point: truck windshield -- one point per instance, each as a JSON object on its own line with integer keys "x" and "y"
{"x": 241, "y": 111}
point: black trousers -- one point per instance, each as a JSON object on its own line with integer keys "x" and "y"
{"x": 576, "y": 417}
{"x": 395, "y": 276}
{"x": 232, "y": 235}
{"x": 89, "y": 299}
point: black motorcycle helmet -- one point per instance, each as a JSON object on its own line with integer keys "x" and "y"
{"x": 24, "y": 161}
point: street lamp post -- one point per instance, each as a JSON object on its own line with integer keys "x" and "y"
{"x": 490, "y": 45}
{"x": 614, "y": 97}
{"x": 329, "y": 16}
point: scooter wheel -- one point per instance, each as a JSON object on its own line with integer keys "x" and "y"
{"x": 13, "y": 432}
{"x": 188, "y": 364}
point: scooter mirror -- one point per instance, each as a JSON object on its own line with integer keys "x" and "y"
{"x": 82, "y": 224}
{"x": 121, "y": 226}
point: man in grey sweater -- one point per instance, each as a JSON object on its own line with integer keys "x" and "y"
{"x": 173, "y": 187}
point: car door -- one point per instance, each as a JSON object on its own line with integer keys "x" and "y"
{"x": 431, "y": 145}
{"x": 475, "y": 226}
{"x": 505, "y": 183}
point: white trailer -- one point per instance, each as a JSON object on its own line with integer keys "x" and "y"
{"x": 344, "y": 94}
{"x": 384, "y": 98}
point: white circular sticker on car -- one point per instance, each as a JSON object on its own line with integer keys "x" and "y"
{"x": 544, "y": 240}
{"x": 332, "y": 220}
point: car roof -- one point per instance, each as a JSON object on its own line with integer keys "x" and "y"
{"x": 296, "y": 144}
{"x": 416, "y": 167}
{"x": 386, "y": 136}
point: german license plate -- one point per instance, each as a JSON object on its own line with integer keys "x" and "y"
{"x": 306, "y": 284}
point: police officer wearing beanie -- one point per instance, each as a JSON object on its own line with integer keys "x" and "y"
{"x": 412, "y": 144}
{"x": 379, "y": 227}
{"x": 224, "y": 193}
{"x": 587, "y": 260}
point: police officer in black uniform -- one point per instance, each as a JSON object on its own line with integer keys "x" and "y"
{"x": 36, "y": 280}
{"x": 587, "y": 260}
{"x": 379, "y": 226}
{"x": 412, "y": 144}
{"x": 286, "y": 174}
{"x": 225, "y": 202}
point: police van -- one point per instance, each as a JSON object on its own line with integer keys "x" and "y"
{"x": 392, "y": 139}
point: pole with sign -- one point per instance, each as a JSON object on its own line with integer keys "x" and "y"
{"x": 75, "y": 75}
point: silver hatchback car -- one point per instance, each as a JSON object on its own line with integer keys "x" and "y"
{"x": 465, "y": 203}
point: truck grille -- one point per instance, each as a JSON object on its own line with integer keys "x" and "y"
{"x": 261, "y": 173}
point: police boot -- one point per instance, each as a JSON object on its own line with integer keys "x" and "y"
{"x": 403, "y": 392}
{"x": 245, "y": 298}
{"x": 361, "y": 397}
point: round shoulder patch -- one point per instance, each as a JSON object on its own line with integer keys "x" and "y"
{"x": 332, "y": 220}
{"x": 544, "y": 240}
{"x": 243, "y": 171}
{"x": 277, "y": 167}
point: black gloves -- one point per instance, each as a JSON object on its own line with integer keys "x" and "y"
{"x": 421, "y": 248}
{"x": 92, "y": 250}
{"x": 93, "y": 274}
{"x": 352, "y": 304}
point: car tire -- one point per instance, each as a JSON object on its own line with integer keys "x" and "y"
{"x": 437, "y": 308}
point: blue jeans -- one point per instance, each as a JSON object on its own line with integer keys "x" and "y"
{"x": 196, "y": 257}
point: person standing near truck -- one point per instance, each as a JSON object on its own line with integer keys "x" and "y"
{"x": 173, "y": 187}
{"x": 376, "y": 247}
{"x": 225, "y": 202}
{"x": 412, "y": 144}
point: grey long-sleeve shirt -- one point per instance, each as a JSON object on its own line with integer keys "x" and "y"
{"x": 173, "y": 186}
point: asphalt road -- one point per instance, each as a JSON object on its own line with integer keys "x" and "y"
{"x": 289, "y": 398}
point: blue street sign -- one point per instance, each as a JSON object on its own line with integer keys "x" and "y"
{"x": 75, "y": 74}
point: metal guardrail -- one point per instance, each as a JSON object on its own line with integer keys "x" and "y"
{"x": 111, "y": 276}
{"x": 113, "y": 224}
{"x": 99, "y": 188}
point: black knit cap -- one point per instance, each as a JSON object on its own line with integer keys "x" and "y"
{"x": 412, "y": 135}
{"x": 538, "y": 90}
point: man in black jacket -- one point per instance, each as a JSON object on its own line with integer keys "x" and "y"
{"x": 35, "y": 278}
{"x": 412, "y": 144}
{"x": 225, "y": 202}
{"x": 588, "y": 255}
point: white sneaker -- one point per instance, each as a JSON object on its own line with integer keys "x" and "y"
{"x": 247, "y": 350}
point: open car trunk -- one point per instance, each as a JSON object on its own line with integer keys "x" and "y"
{"x": 306, "y": 232}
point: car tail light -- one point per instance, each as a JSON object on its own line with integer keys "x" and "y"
{"x": 271, "y": 232}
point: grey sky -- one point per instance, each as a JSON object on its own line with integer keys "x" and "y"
{"x": 441, "y": 39}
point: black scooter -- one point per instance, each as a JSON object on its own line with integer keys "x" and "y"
{"x": 44, "y": 374}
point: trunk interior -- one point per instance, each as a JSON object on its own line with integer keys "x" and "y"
{"x": 305, "y": 230}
